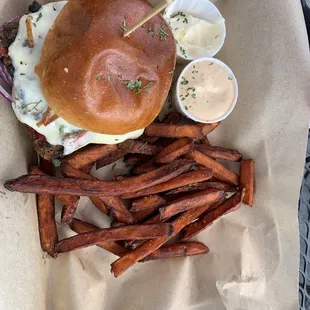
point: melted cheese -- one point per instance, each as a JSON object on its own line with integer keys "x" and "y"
{"x": 29, "y": 103}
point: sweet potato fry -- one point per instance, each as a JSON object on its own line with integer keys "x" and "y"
{"x": 201, "y": 186}
{"x": 91, "y": 154}
{"x": 138, "y": 147}
{"x": 178, "y": 250}
{"x": 70, "y": 202}
{"x": 174, "y": 150}
{"x": 214, "y": 205}
{"x": 56, "y": 186}
{"x": 110, "y": 158}
{"x": 188, "y": 202}
{"x": 144, "y": 207}
{"x": 148, "y": 202}
{"x": 47, "y": 223}
{"x": 219, "y": 152}
{"x": 46, "y": 166}
{"x": 81, "y": 227}
{"x": 116, "y": 223}
{"x": 131, "y": 160}
{"x": 219, "y": 171}
{"x": 206, "y": 141}
{"x": 247, "y": 171}
{"x": 135, "y": 232}
{"x": 70, "y": 172}
{"x": 67, "y": 213}
{"x": 170, "y": 118}
{"x": 88, "y": 168}
{"x": 144, "y": 167}
{"x": 121, "y": 177}
{"x": 118, "y": 209}
{"x": 148, "y": 247}
{"x": 231, "y": 204}
{"x": 141, "y": 216}
{"x": 194, "y": 132}
{"x": 181, "y": 180}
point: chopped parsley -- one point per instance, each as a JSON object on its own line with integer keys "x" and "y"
{"x": 178, "y": 14}
{"x": 229, "y": 78}
{"x": 142, "y": 146}
{"x": 39, "y": 17}
{"x": 148, "y": 85}
{"x": 22, "y": 74}
{"x": 98, "y": 78}
{"x": 184, "y": 81}
{"x": 183, "y": 51}
{"x": 34, "y": 24}
{"x": 136, "y": 87}
{"x": 185, "y": 20}
{"x": 186, "y": 108}
{"x": 211, "y": 64}
{"x": 61, "y": 129}
{"x": 194, "y": 96}
{"x": 114, "y": 165}
{"x": 163, "y": 33}
{"x": 54, "y": 8}
{"x": 123, "y": 26}
{"x": 56, "y": 163}
{"x": 36, "y": 103}
{"x": 109, "y": 78}
{"x": 150, "y": 31}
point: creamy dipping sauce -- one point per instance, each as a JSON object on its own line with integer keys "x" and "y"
{"x": 195, "y": 37}
{"x": 29, "y": 103}
{"x": 206, "y": 90}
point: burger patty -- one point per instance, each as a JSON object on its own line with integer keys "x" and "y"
{"x": 7, "y": 36}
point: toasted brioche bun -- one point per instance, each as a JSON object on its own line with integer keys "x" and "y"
{"x": 86, "y": 63}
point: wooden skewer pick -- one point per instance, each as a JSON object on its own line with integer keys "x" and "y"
{"x": 161, "y": 6}
{"x": 29, "y": 32}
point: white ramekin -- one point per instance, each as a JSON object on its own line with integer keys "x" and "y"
{"x": 176, "y": 91}
{"x": 203, "y": 9}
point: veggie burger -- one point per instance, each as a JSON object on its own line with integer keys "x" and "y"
{"x": 77, "y": 80}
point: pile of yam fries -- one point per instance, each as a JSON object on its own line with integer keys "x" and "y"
{"x": 176, "y": 187}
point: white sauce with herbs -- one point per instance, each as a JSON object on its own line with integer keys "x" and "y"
{"x": 207, "y": 90}
{"x": 29, "y": 103}
{"x": 195, "y": 36}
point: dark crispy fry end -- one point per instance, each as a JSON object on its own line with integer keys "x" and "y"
{"x": 47, "y": 223}
{"x": 178, "y": 250}
{"x": 247, "y": 171}
{"x": 67, "y": 213}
